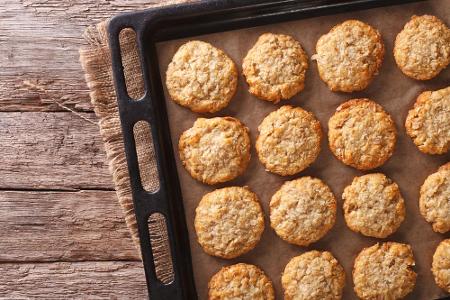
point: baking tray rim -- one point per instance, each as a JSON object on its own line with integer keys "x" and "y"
{"x": 191, "y": 19}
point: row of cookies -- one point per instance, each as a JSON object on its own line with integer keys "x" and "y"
{"x": 230, "y": 221}
{"x": 382, "y": 271}
{"x": 361, "y": 134}
{"x": 204, "y": 79}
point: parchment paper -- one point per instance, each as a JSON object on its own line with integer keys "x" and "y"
{"x": 408, "y": 167}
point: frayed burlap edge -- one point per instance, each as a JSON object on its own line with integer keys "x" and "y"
{"x": 96, "y": 61}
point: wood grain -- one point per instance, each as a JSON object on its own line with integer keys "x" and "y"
{"x": 51, "y": 151}
{"x": 63, "y": 226}
{"x": 40, "y": 73}
{"x": 64, "y": 280}
{"x": 39, "y": 42}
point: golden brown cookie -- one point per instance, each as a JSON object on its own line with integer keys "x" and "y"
{"x": 313, "y": 275}
{"x": 422, "y": 48}
{"x": 240, "y": 281}
{"x": 275, "y": 67}
{"x": 434, "y": 202}
{"x": 441, "y": 265}
{"x": 384, "y": 271}
{"x": 349, "y": 56}
{"x": 428, "y": 123}
{"x": 373, "y": 205}
{"x": 215, "y": 150}
{"x": 302, "y": 211}
{"x": 201, "y": 77}
{"x": 289, "y": 140}
{"x": 229, "y": 222}
{"x": 362, "y": 134}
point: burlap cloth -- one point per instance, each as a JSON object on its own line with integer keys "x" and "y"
{"x": 96, "y": 61}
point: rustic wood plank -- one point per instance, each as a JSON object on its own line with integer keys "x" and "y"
{"x": 39, "y": 42}
{"x": 82, "y": 280}
{"x": 51, "y": 151}
{"x": 63, "y": 226}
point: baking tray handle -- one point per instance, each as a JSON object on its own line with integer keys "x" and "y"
{"x": 167, "y": 199}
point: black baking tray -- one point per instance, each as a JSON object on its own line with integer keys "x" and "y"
{"x": 167, "y": 23}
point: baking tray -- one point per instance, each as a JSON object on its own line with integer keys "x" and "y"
{"x": 170, "y": 23}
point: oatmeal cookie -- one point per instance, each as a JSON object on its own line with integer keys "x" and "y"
{"x": 229, "y": 222}
{"x": 422, "y": 48}
{"x": 313, "y": 275}
{"x": 215, "y": 150}
{"x": 434, "y": 201}
{"x": 441, "y": 265}
{"x": 302, "y": 211}
{"x": 349, "y": 56}
{"x": 362, "y": 134}
{"x": 289, "y": 140}
{"x": 428, "y": 122}
{"x": 384, "y": 271}
{"x": 201, "y": 77}
{"x": 373, "y": 205}
{"x": 240, "y": 281}
{"x": 275, "y": 67}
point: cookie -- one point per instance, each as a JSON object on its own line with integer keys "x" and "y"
{"x": 441, "y": 265}
{"x": 302, "y": 211}
{"x": 313, "y": 275}
{"x": 428, "y": 122}
{"x": 229, "y": 222}
{"x": 215, "y": 150}
{"x": 362, "y": 134}
{"x": 240, "y": 281}
{"x": 275, "y": 67}
{"x": 201, "y": 77}
{"x": 349, "y": 56}
{"x": 434, "y": 201}
{"x": 373, "y": 205}
{"x": 422, "y": 48}
{"x": 384, "y": 271}
{"x": 289, "y": 140}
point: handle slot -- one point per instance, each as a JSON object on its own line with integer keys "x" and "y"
{"x": 145, "y": 151}
{"x": 159, "y": 241}
{"x": 132, "y": 69}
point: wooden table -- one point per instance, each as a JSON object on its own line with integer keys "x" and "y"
{"x": 62, "y": 232}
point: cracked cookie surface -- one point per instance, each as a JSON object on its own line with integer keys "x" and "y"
{"x": 275, "y": 67}
{"x": 302, "y": 211}
{"x": 373, "y": 205}
{"x": 215, "y": 150}
{"x": 362, "y": 134}
{"x": 289, "y": 140}
{"x": 422, "y": 48}
{"x": 434, "y": 201}
{"x": 384, "y": 271}
{"x": 201, "y": 77}
{"x": 441, "y": 265}
{"x": 428, "y": 122}
{"x": 240, "y": 281}
{"x": 229, "y": 222}
{"x": 349, "y": 56}
{"x": 314, "y": 275}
